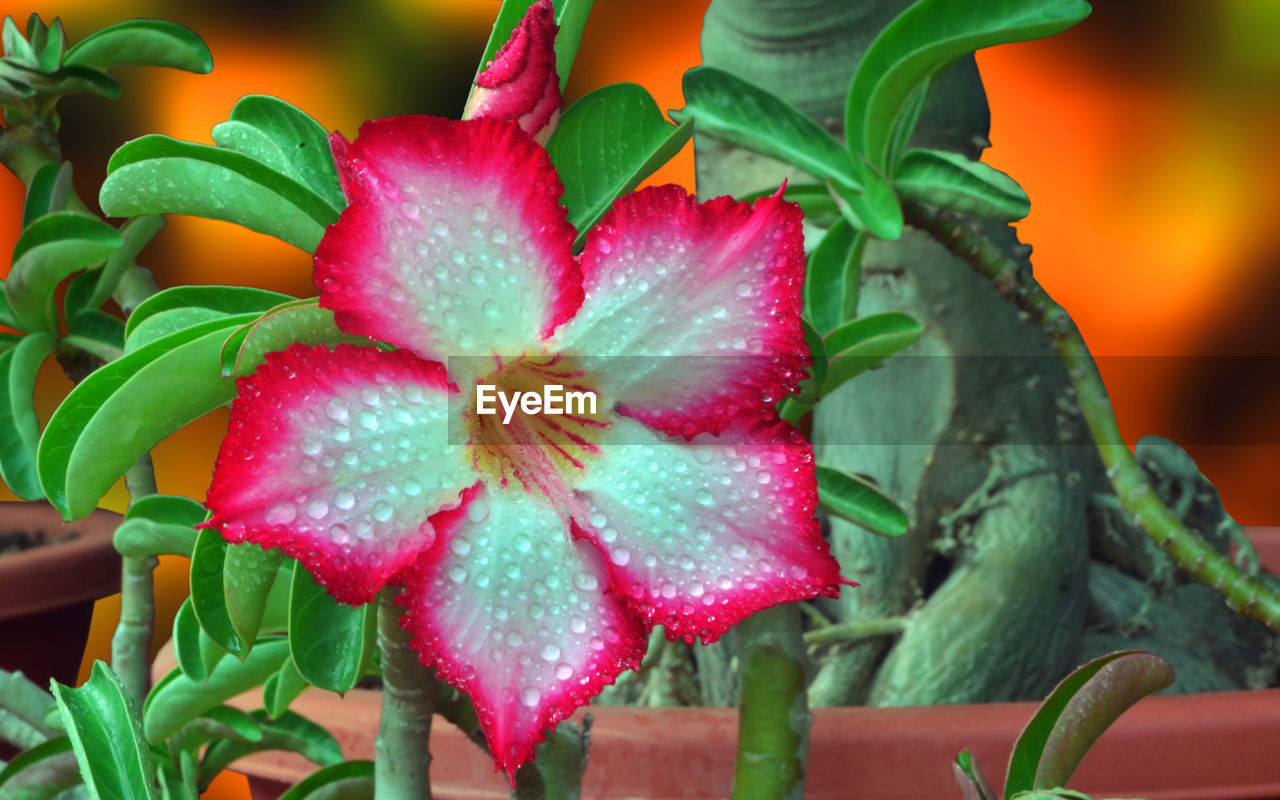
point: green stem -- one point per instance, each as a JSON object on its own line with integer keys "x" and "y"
{"x": 401, "y": 768}
{"x": 131, "y": 642}
{"x": 856, "y": 631}
{"x": 773, "y": 718}
{"x": 1243, "y": 594}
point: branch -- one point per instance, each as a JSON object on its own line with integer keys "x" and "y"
{"x": 401, "y": 769}
{"x": 1243, "y": 594}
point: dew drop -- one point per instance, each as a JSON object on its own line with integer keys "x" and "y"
{"x": 344, "y": 499}
{"x": 457, "y": 574}
{"x": 478, "y": 510}
{"x": 282, "y": 513}
{"x": 620, "y": 556}
{"x": 382, "y": 511}
{"x": 738, "y": 550}
{"x": 317, "y": 509}
{"x": 460, "y": 545}
{"x": 704, "y": 497}
{"x": 586, "y": 581}
{"x": 563, "y": 671}
{"x": 549, "y": 652}
{"x": 530, "y": 696}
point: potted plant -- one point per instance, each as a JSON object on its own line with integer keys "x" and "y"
{"x": 317, "y": 376}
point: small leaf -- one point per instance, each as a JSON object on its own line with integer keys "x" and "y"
{"x": 291, "y": 732}
{"x": 924, "y": 40}
{"x": 102, "y": 724}
{"x": 53, "y": 41}
{"x": 208, "y": 597}
{"x": 282, "y": 689}
{"x": 301, "y": 321}
{"x": 50, "y": 249}
{"x": 247, "y": 575}
{"x": 177, "y": 699}
{"x": 289, "y": 134}
{"x": 98, "y": 326}
{"x": 19, "y": 425}
{"x": 15, "y": 44}
{"x": 171, "y": 509}
{"x": 138, "y": 538}
{"x": 186, "y": 642}
{"x": 605, "y": 145}
{"x": 331, "y": 642}
{"x": 727, "y": 107}
{"x": 905, "y": 127}
{"x": 860, "y": 501}
{"x": 833, "y": 276}
{"x": 156, "y": 389}
{"x": 221, "y": 723}
{"x": 864, "y": 343}
{"x": 950, "y": 180}
{"x": 79, "y": 79}
{"x": 166, "y": 323}
{"x": 875, "y": 208}
{"x": 137, "y": 233}
{"x": 41, "y": 772}
{"x": 142, "y": 43}
{"x": 223, "y": 299}
{"x": 350, "y": 780}
{"x": 41, "y": 192}
{"x": 571, "y": 17}
{"x": 1076, "y": 713}
{"x": 159, "y": 175}
{"x": 973, "y": 783}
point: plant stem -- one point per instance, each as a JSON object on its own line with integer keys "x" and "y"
{"x": 855, "y": 631}
{"x": 401, "y": 768}
{"x": 131, "y": 642}
{"x": 773, "y": 718}
{"x": 1243, "y": 594}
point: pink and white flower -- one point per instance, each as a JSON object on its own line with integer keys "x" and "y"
{"x": 535, "y": 555}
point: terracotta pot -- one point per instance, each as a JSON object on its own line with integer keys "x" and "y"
{"x": 1220, "y": 746}
{"x": 47, "y": 592}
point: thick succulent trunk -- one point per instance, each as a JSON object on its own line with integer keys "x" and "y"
{"x": 972, "y": 431}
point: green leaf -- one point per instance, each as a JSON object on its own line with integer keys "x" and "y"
{"x": 571, "y": 17}
{"x": 796, "y": 406}
{"x": 75, "y": 79}
{"x": 605, "y": 145}
{"x": 123, "y": 409}
{"x": 224, "y": 299}
{"x": 100, "y": 327}
{"x": 876, "y": 208}
{"x": 159, "y": 524}
{"x": 186, "y": 642}
{"x": 727, "y": 107}
{"x": 52, "y": 41}
{"x": 297, "y": 321}
{"x": 166, "y": 323}
{"x": 860, "y": 501}
{"x": 208, "y": 596}
{"x": 905, "y": 126}
{"x": 247, "y": 576}
{"x": 142, "y": 43}
{"x": 49, "y": 250}
{"x": 40, "y": 772}
{"x": 833, "y": 275}
{"x": 331, "y": 642}
{"x": 158, "y": 175}
{"x": 973, "y": 783}
{"x": 168, "y": 508}
{"x": 282, "y": 689}
{"x": 6, "y": 314}
{"x": 291, "y": 732}
{"x": 285, "y": 138}
{"x": 137, "y": 233}
{"x": 350, "y": 780}
{"x": 861, "y": 344}
{"x": 177, "y": 699}
{"x": 103, "y": 727}
{"x": 1077, "y": 712}
{"x": 41, "y": 193}
{"x": 950, "y": 180}
{"x": 221, "y": 723}
{"x": 926, "y": 39}
{"x": 19, "y": 425}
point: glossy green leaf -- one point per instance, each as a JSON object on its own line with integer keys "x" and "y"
{"x": 875, "y": 208}
{"x": 177, "y": 699}
{"x": 833, "y": 275}
{"x": 123, "y": 409}
{"x": 49, "y": 42}
{"x": 98, "y": 326}
{"x": 1077, "y": 712}
{"x": 950, "y": 180}
{"x": 297, "y": 321}
{"x": 19, "y": 426}
{"x": 350, "y": 780}
{"x": 50, "y": 249}
{"x": 927, "y": 38}
{"x": 75, "y": 79}
{"x": 247, "y": 576}
{"x": 208, "y": 596}
{"x": 6, "y": 314}
{"x": 225, "y": 299}
{"x": 15, "y": 44}
{"x": 285, "y": 138}
{"x": 41, "y": 194}
{"x": 138, "y": 233}
{"x": 973, "y": 783}
{"x": 863, "y": 343}
{"x": 186, "y": 642}
{"x": 860, "y": 501}
{"x": 218, "y": 724}
{"x": 102, "y": 724}
{"x": 159, "y": 175}
{"x": 291, "y": 732}
{"x": 143, "y": 43}
{"x": 727, "y": 107}
{"x": 171, "y": 509}
{"x": 905, "y": 126}
{"x": 282, "y": 689}
{"x": 606, "y": 144}
{"x": 166, "y": 323}
{"x": 159, "y": 524}
{"x": 41, "y": 772}
{"x": 331, "y": 642}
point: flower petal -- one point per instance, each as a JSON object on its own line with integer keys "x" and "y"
{"x": 454, "y": 242}
{"x": 704, "y": 533}
{"x": 511, "y": 611}
{"x": 520, "y": 84}
{"x": 667, "y": 277}
{"x": 338, "y": 458}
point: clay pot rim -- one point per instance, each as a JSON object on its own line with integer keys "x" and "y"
{"x": 47, "y": 577}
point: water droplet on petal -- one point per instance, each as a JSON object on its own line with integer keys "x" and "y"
{"x": 550, "y": 652}
{"x": 282, "y": 513}
{"x": 530, "y": 696}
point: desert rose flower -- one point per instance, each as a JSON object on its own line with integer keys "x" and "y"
{"x": 520, "y": 83}
{"x": 535, "y": 551}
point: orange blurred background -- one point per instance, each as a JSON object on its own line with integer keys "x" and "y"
{"x": 1145, "y": 137}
